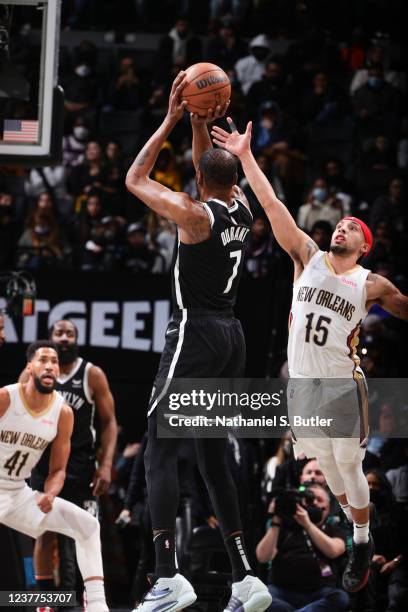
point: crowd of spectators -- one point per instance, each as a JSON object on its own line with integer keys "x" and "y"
{"x": 328, "y": 101}
{"x": 329, "y": 131}
{"x": 298, "y": 535}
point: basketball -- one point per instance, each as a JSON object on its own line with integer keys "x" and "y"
{"x": 207, "y": 87}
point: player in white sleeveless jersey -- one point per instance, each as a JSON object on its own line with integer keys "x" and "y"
{"x": 32, "y": 416}
{"x": 331, "y": 297}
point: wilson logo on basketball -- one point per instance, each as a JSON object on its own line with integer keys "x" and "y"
{"x": 211, "y": 80}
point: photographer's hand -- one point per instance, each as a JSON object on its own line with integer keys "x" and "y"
{"x": 329, "y": 546}
{"x": 302, "y": 517}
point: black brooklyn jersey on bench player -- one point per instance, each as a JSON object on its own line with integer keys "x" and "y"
{"x": 203, "y": 339}
{"x": 81, "y": 463}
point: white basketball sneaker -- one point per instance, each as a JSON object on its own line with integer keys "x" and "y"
{"x": 168, "y": 594}
{"x": 249, "y": 595}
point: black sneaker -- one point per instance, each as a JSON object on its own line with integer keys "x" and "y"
{"x": 356, "y": 574}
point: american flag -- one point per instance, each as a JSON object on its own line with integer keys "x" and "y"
{"x": 20, "y": 130}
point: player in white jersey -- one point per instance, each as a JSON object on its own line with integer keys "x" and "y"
{"x": 332, "y": 295}
{"x": 32, "y": 416}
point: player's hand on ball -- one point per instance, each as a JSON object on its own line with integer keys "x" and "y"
{"x": 235, "y": 143}
{"x": 212, "y": 115}
{"x": 45, "y": 501}
{"x": 176, "y": 105}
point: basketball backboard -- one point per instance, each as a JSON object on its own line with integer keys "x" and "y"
{"x": 31, "y": 103}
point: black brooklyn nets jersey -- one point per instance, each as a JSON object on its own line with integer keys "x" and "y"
{"x": 75, "y": 391}
{"x": 206, "y": 275}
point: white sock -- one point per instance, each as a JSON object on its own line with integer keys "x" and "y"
{"x": 95, "y": 596}
{"x": 360, "y": 535}
{"x": 347, "y": 512}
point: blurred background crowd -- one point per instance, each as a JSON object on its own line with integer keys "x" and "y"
{"x": 325, "y": 84}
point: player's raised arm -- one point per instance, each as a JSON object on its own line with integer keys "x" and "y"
{"x": 178, "y": 207}
{"x": 292, "y": 239}
{"x": 201, "y": 137}
{"x": 382, "y": 292}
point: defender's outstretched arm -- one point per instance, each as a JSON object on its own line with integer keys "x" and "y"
{"x": 292, "y": 239}
{"x": 381, "y": 291}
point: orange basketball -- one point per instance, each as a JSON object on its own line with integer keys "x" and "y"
{"x": 207, "y": 87}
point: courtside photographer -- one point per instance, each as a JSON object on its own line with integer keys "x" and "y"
{"x": 303, "y": 551}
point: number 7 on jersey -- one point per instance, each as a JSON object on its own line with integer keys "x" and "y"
{"x": 234, "y": 255}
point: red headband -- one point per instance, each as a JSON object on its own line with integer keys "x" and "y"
{"x": 368, "y": 237}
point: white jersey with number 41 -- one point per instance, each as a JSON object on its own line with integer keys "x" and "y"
{"x": 325, "y": 320}
{"x": 24, "y": 435}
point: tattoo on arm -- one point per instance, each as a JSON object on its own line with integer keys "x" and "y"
{"x": 372, "y": 277}
{"x": 142, "y": 157}
{"x": 311, "y": 248}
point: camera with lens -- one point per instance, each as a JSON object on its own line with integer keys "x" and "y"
{"x": 286, "y": 501}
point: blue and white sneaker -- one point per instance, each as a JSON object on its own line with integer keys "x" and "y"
{"x": 171, "y": 594}
{"x": 249, "y": 595}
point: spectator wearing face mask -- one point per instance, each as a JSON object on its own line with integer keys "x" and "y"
{"x": 375, "y": 55}
{"x": 81, "y": 88}
{"x": 270, "y": 134}
{"x": 251, "y": 68}
{"x": 377, "y": 105}
{"x": 74, "y": 143}
{"x": 304, "y": 549}
{"x": 41, "y": 245}
{"x": 321, "y": 205}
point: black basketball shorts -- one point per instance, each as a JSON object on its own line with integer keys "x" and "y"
{"x": 200, "y": 344}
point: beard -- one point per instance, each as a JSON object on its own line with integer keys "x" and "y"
{"x": 42, "y": 388}
{"x": 339, "y": 249}
{"x": 67, "y": 353}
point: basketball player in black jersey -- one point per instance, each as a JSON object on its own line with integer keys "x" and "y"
{"x": 203, "y": 339}
{"x": 85, "y": 388}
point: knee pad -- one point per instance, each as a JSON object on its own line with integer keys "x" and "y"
{"x": 357, "y": 491}
{"x": 331, "y": 473}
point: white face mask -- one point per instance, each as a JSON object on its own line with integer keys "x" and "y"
{"x": 81, "y": 132}
{"x": 83, "y": 70}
